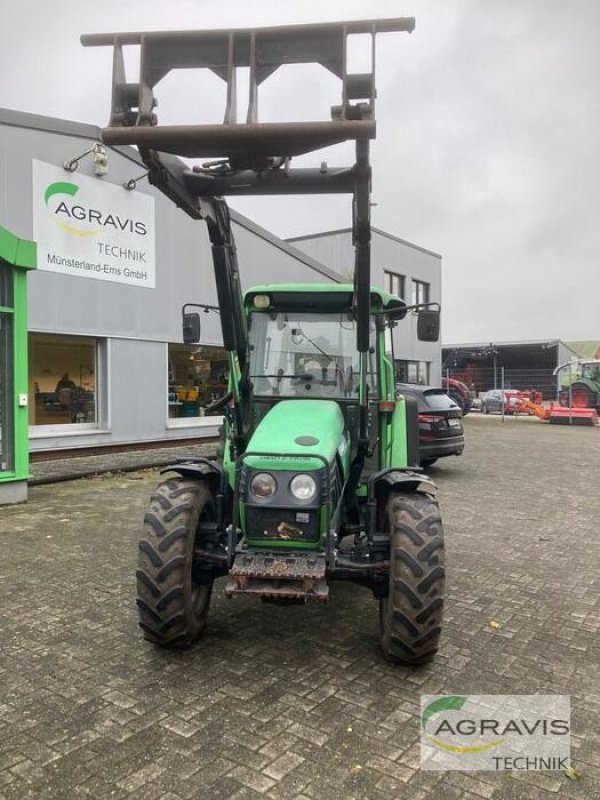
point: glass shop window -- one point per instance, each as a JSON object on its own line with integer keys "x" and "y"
{"x": 197, "y": 377}
{"x": 62, "y": 379}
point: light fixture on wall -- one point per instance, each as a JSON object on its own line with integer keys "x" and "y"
{"x": 100, "y": 156}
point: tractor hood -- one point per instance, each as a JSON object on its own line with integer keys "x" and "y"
{"x": 294, "y": 430}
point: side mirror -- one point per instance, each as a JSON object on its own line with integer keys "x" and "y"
{"x": 191, "y": 328}
{"x": 428, "y": 325}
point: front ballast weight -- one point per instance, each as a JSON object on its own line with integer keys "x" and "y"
{"x": 134, "y": 120}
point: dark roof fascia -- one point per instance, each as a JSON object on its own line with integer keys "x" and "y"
{"x": 64, "y": 127}
{"x": 320, "y": 235}
{"x": 283, "y": 244}
{"x": 323, "y": 234}
{"x": 23, "y": 119}
{"x": 525, "y": 343}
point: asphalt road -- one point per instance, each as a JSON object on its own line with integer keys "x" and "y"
{"x": 297, "y": 702}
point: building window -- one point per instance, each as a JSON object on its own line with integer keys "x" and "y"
{"x": 62, "y": 379}
{"x": 412, "y": 372}
{"x": 394, "y": 283}
{"x": 420, "y": 292}
{"x": 197, "y": 377}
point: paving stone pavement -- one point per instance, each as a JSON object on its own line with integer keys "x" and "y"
{"x": 296, "y": 703}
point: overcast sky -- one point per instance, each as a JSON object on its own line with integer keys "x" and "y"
{"x": 487, "y": 146}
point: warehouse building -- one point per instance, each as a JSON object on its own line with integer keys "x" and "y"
{"x": 528, "y": 364}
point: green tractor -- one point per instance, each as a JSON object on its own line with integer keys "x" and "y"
{"x": 318, "y": 476}
{"x": 584, "y": 390}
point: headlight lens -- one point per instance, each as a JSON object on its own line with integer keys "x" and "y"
{"x": 263, "y": 485}
{"x": 303, "y": 487}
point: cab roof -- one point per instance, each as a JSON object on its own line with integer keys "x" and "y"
{"x": 335, "y": 295}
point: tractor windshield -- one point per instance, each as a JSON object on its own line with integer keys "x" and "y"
{"x": 591, "y": 370}
{"x": 301, "y": 354}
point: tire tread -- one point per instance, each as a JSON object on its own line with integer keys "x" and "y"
{"x": 411, "y": 616}
{"x": 164, "y": 578}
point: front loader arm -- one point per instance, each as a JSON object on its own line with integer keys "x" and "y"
{"x": 253, "y": 157}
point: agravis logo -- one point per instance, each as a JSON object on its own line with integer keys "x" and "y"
{"x": 451, "y": 703}
{"x": 64, "y": 187}
{"x": 92, "y": 228}
{"x": 495, "y": 732}
{"x": 80, "y": 220}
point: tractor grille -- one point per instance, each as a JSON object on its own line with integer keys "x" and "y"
{"x": 282, "y": 524}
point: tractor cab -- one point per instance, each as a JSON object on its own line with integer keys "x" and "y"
{"x": 303, "y": 343}
{"x": 308, "y": 351}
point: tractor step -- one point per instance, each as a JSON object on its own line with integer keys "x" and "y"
{"x": 278, "y": 575}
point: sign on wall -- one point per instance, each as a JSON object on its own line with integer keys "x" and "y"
{"x": 91, "y": 228}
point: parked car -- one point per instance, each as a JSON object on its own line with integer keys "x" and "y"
{"x": 492, "y": 402}
{"x": 440, "y": 422}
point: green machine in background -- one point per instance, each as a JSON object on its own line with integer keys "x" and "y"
{"x": 16, "y": 257}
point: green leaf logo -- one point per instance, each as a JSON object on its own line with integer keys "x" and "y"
{"x": 65, "y": 187}
{"x": 451, "y": 703}
{"x": 61, "y": 187}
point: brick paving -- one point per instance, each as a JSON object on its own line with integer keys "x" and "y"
{"x": 296, "y": 703}
{"x": 61, "y": 469}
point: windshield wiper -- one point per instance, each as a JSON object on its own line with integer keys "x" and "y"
{"x": 300, "y": 332}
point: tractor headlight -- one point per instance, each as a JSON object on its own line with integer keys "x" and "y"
{"x": 303, "y": 487}
{"x": 263, "y": 484}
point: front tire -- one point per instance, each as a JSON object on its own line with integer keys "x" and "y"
{"x": 411, "y": 615}
{"x": 173, "y": 597}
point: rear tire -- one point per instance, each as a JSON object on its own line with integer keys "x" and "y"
{"x": 172, "y": 597}
{"x": 411, "y": 616}
{"x": 428, "y": 462}
{"x": 581, "y": 396}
